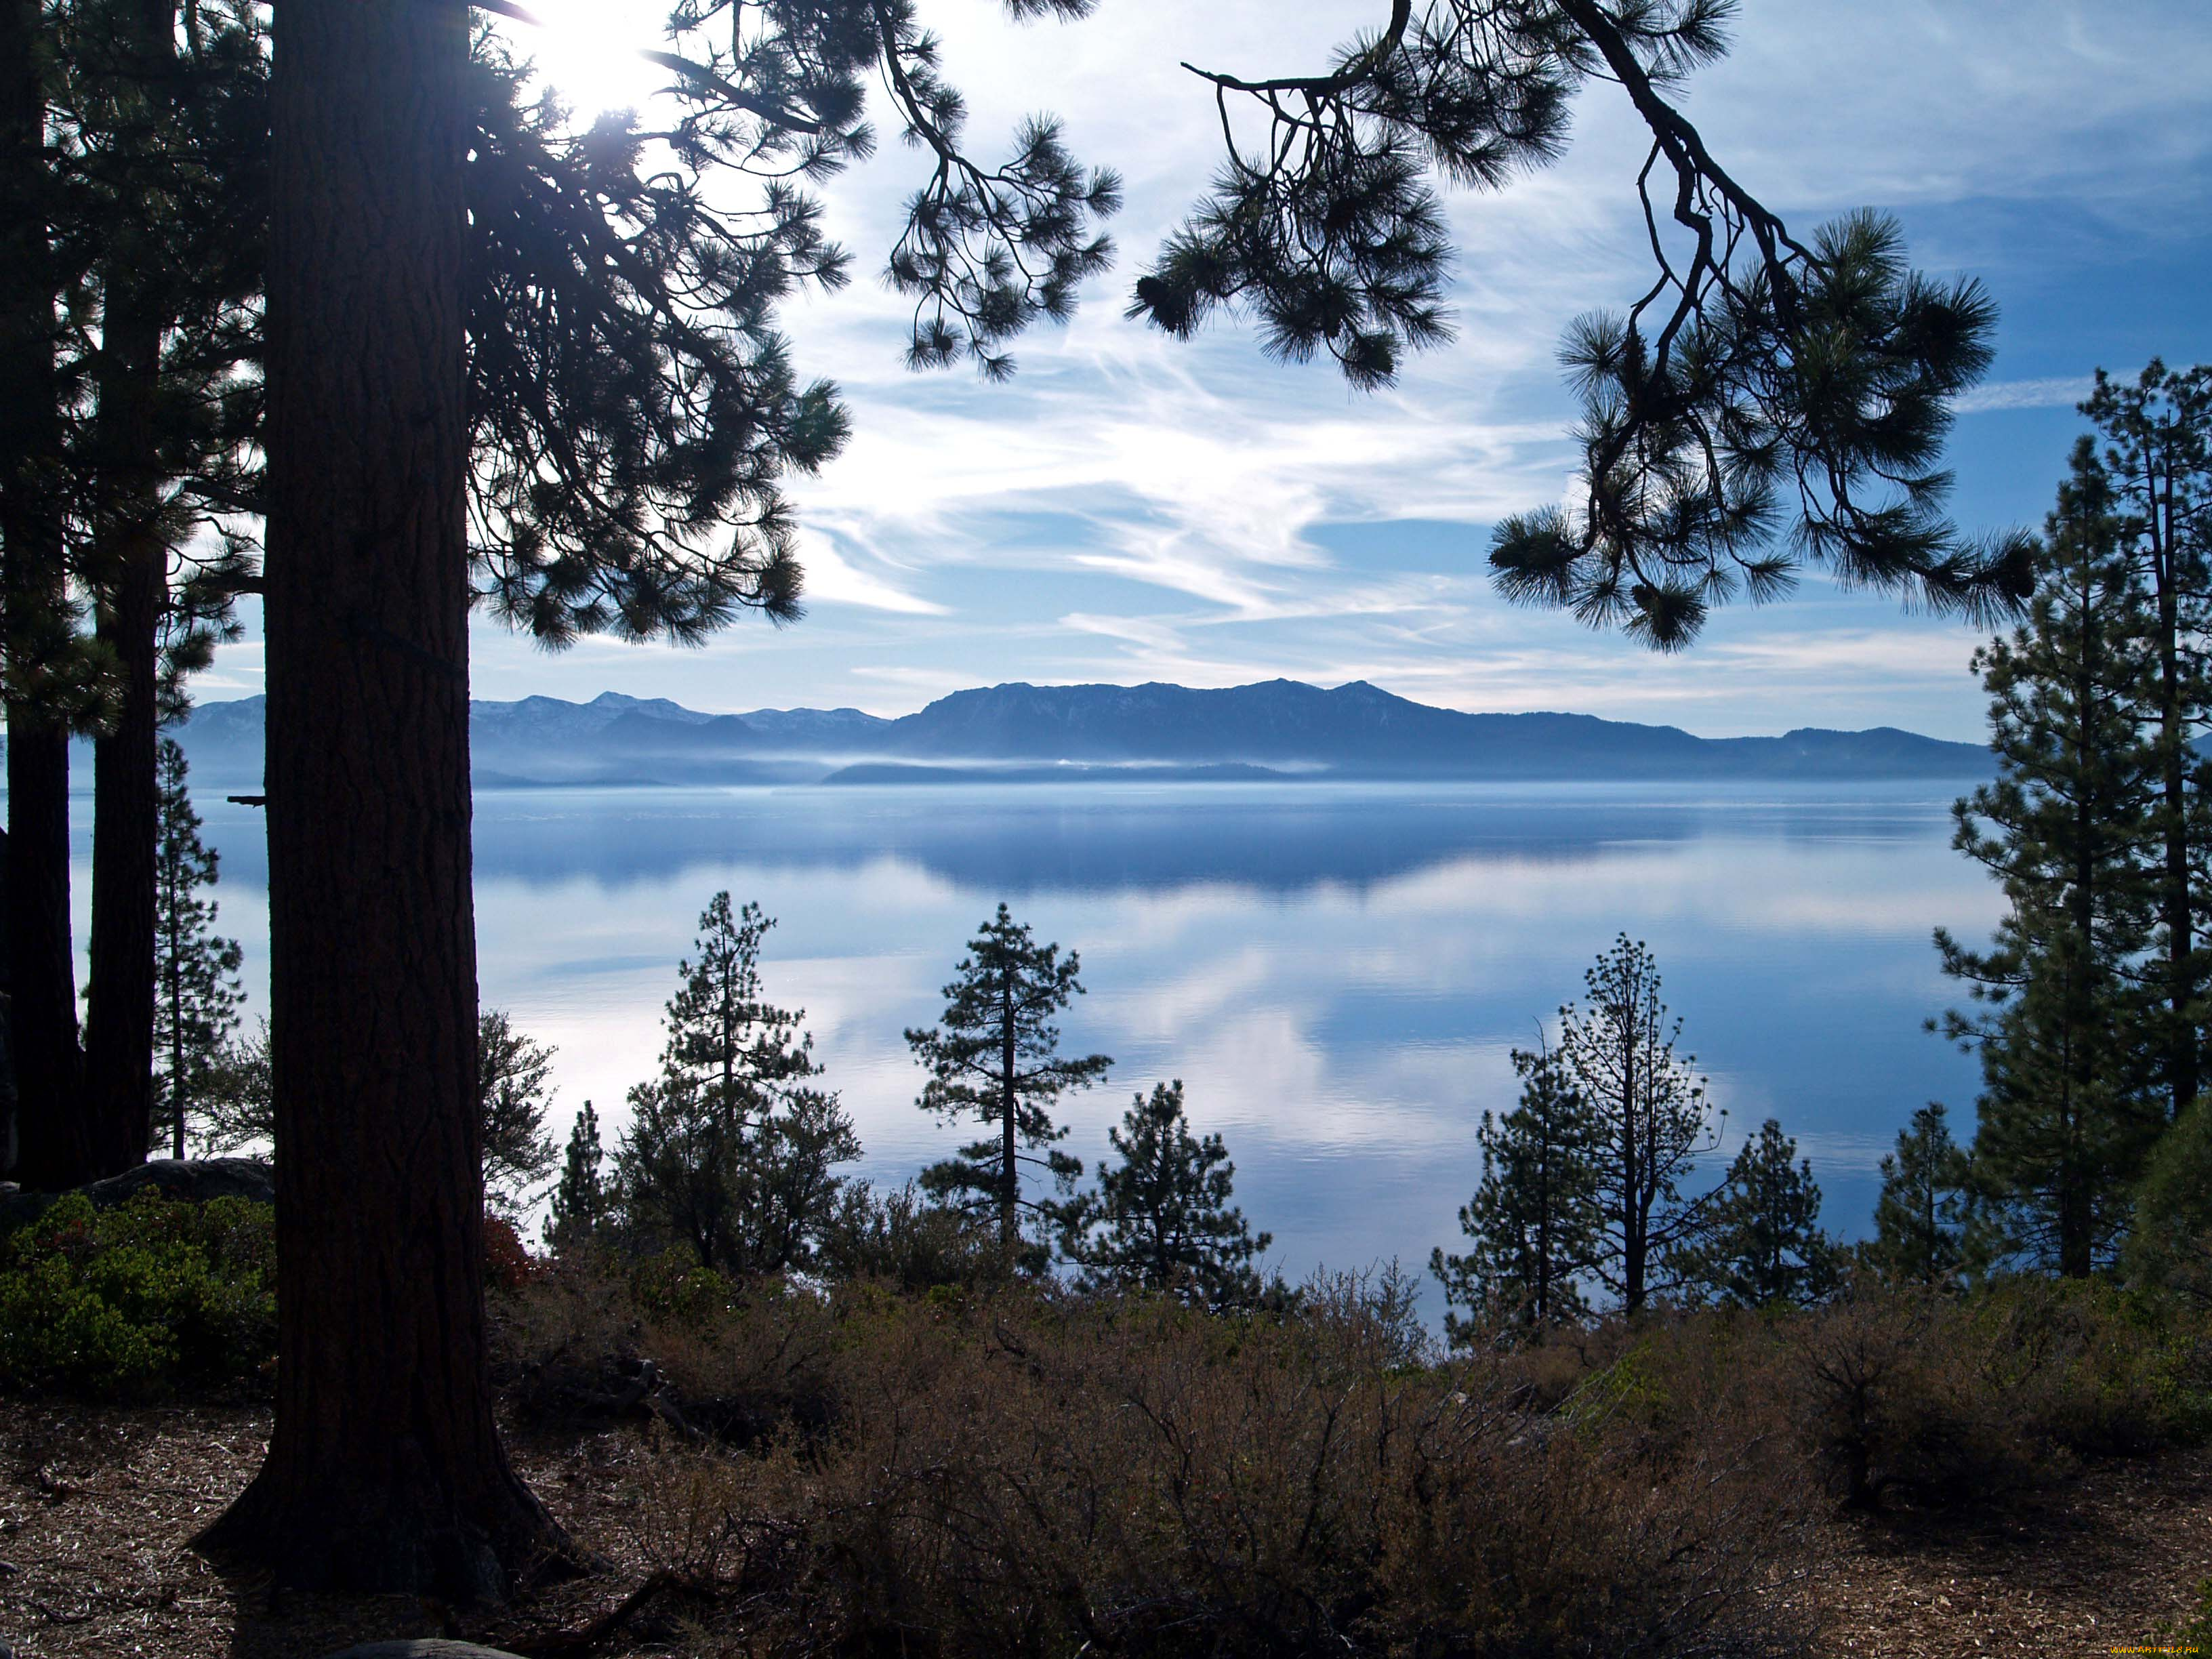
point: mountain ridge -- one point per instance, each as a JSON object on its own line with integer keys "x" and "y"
{"x": 1018, "y": 732}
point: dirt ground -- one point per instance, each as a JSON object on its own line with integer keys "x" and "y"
{"x": 97, "y": 1508}
{"x": 2101, "y": 1566}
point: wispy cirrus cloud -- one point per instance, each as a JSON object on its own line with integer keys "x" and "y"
{"x": 2054, "y": 391}
{"x": 1134, "y": 507}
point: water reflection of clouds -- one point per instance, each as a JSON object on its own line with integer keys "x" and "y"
{"x": 1337, "y": 981}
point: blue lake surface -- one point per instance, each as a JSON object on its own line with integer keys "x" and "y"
{"x": 1338, "y": 973}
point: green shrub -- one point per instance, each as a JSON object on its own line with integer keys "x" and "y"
{"x": 672, "y": 1288}
{"x": 1944, "y": 1398}
{"x": 2194, "y": 1633}
{"x": 139, "y": 1301}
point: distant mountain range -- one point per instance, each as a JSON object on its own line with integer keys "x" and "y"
{"x": 1107, "y": 733}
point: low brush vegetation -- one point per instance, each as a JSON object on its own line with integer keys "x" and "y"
{"x": 138, "y": 1301}
{"x": 998, "y": 1464}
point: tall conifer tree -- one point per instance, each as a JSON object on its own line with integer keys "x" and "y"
{"x": 158, "y": 122}
{"x": 197, "y": 995}
{"x": 384, "y": 1467}
{"x": 730, "y": 1150}
{"x": 53, "y": 680}
{"x": 1534, "y": 1221}
{"x": 1920, "y": 1220}
{"x": 1161, "y": 1218}
{"x": 514, "y": 1092}
{"x": 2063, "y": 1004}
{"x": 580, "y": 1206}
{"x": 994, "y": 1056}
{"x": 1761, "y": 1245}
{"x": 2156, "y": 462}
{"x": 1618, "y": 1051}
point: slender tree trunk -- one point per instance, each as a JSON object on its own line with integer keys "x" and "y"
{"x": 2075, "y": 1244}
{"x": 1635, "y": 1218}
{"x": 385, "y": 1470}
{"x": 52, "y": 1148}
{"x": 2175, "y": 900}
{"x": 177, "y": 1100}
{"x": 1543, "y": 1308}
{"x": 1009, "y": 1176}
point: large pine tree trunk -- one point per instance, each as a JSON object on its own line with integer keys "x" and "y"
{"x": 385, "y": 1470}
{"x": 52, "y": 1151}
{"x": 118, "y": 1028}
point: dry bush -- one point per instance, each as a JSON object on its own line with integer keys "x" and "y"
{"x": 1904, "y": 1395}
{"x": 1019, "y": 1471}
{"x": 1936, "y": 1399}
{"x": 994, "y": 1470}
{"x": 594, "y": 1341}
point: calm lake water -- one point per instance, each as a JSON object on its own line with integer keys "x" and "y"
{"x": 1337, "y": 974}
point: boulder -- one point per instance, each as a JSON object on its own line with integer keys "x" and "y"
{"x": 196, "y": 1179}
{"x": 429, "y": 1649}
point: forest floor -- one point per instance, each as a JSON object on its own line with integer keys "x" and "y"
{"x": 97, "y": 1508}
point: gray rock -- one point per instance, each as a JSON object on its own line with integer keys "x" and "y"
{"x": 196, "y": 1179}
{"x": 429, "y": 1649}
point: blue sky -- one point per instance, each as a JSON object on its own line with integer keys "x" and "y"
{"x": 1132, "y": 509}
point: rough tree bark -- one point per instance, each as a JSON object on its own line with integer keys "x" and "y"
{"x": 385, "y": 1470}
{"x": 134, "y": 560}
{"x": 53, "y": 1150}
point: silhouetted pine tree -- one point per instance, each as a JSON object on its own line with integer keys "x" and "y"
{"x": 2156, "y": 466}
{"x": 580, "y": 1207}
{"x": 1769, "y": 392}
{"x": 730, "y": 1151}
{"x": 2064, "y": 1014}
{"x": 160, "y": 138}
{"x": 1920, "y": 1220}
{"x": 1762, "y": 1244}
{"x": 1161, "y": 1219}
{"x": 1535, "y": 1219}
{"x": 1618, "y": 1052}
{"x": 994, "y": 1056}
{"x": 54, "y": 679}
{"x": 237, "y": 1113}
{"x": 195, "y": 972}
{"x": 513, "y": 1094}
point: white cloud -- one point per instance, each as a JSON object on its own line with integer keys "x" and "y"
{"x": 832, "y": 580}
{"x": 1215, "y": 481}
{"x": 2059, "y": 391}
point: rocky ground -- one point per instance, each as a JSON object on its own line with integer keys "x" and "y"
{"x": 97, "y": 1509}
